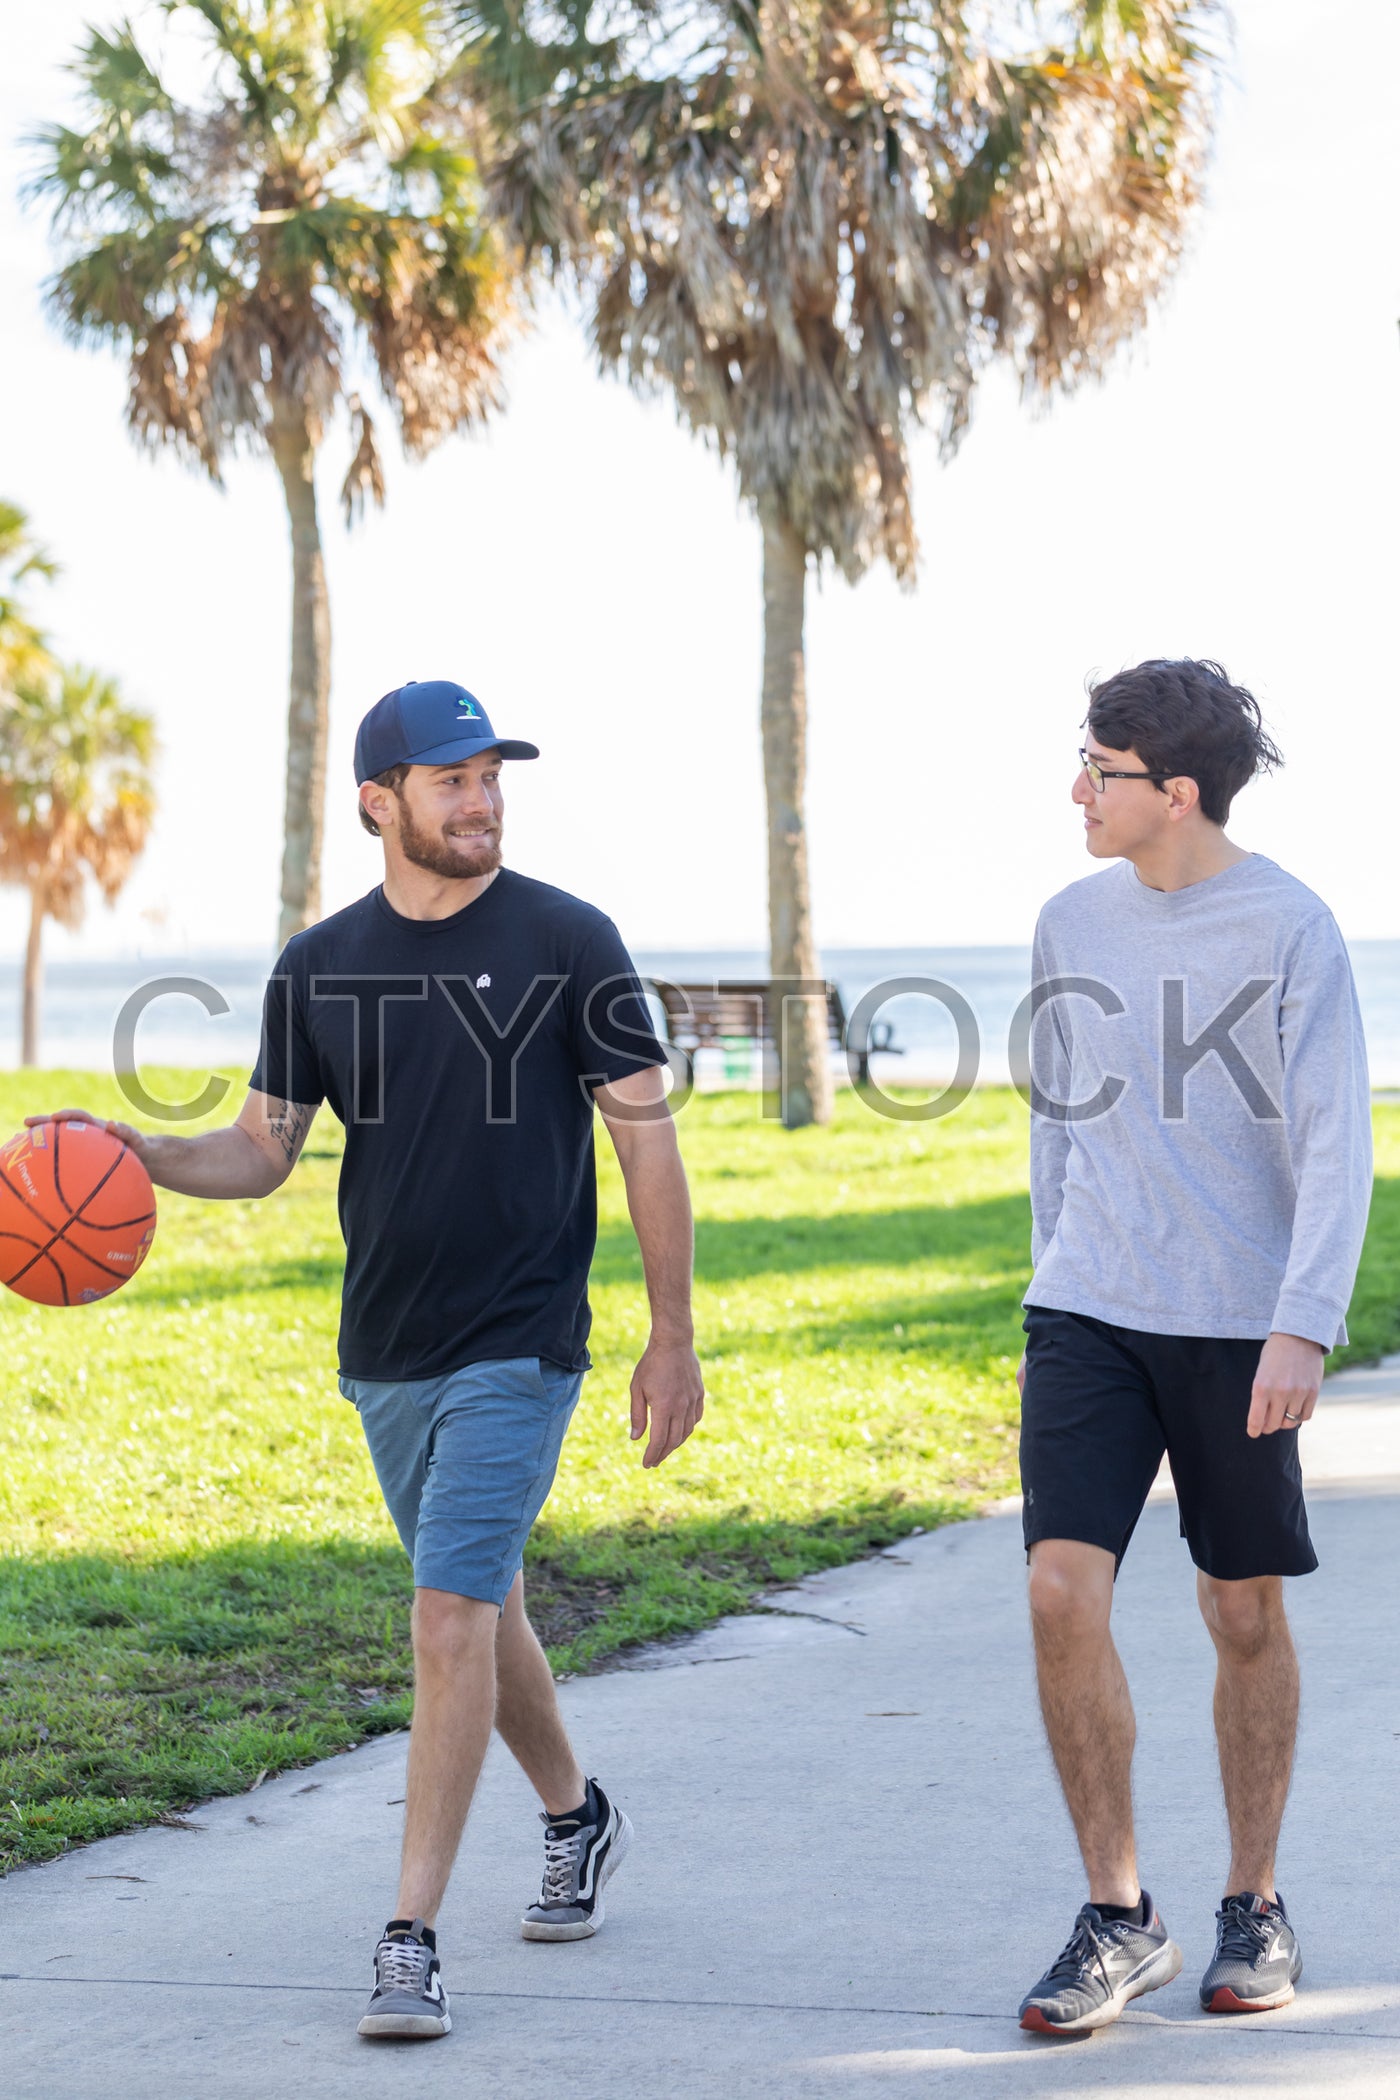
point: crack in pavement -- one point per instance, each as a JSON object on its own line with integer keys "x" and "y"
{"x": 882, "y": 2012}
{"x": 651, "y": 1660}
{"x": 783, "y": 1611}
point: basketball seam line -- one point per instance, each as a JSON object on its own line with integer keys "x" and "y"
{"x": 111, "y": 1224}
{"x": 75, "y": 1217}
{"x": 39, "y": 1255}
{"x": 24, "y": 1201}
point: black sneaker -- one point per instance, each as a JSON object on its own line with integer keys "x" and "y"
{"x": 581, "y": 1854}
{"x": 1107, "y": 1963}
{"x": 1257, "y": 1961}
{"x": 408, "y": 1997}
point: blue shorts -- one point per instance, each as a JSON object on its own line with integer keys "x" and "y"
{"x": 466, "y": 1462}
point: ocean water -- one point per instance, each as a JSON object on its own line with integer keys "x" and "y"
{"x": 994, "y": 981}
{"x": 203, "y": 1011}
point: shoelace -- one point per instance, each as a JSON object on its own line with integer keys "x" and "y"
{"x": 403, "y": 1965}
{"x": 1244, "y": 1934}
{"x": 560, "y": 1856}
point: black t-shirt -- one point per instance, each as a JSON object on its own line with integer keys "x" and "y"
{"x": 459, "y": 1054}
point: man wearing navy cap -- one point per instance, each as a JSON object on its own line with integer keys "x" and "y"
{"x": 461, "y": 1020}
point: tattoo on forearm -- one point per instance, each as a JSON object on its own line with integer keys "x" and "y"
{"x": 289, "y": 1127}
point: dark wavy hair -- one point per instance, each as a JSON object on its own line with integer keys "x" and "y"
{"x": 1186, "y": 717}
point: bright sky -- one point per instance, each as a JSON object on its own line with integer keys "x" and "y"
{"x": 584, "y": 568}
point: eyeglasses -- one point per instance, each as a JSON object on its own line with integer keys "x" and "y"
{"x": 1097, "y": 775}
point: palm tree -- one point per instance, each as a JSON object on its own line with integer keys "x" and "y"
{"x": 244, "y": 247}
{"x": 75, "y": 800}
{"x": 815, "y": 221}
{"x": 23, "y": 649}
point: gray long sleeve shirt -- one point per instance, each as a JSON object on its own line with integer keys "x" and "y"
{"x": 1201, "y": 1116}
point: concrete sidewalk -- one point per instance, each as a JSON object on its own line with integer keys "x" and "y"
{"x": 851, "y": 1861}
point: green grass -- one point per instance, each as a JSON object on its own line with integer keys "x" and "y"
{"x": 199, "y": 1583}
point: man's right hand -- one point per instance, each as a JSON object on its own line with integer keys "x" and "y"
{"x": 1021, "y": 1377}
{"x": 136, "y": 1141}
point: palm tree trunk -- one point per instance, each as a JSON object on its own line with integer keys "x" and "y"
{"x": 308, "y": 706}
{"x": 33, "y": 978}
{"x": 804, "y": 1071}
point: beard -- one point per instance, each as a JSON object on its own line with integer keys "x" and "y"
{"x": 458, "y": 859}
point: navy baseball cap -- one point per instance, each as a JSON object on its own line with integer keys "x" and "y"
{"x": 428, "y": 723}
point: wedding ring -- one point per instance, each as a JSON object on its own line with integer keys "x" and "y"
{"x": 1291, "y": 1418}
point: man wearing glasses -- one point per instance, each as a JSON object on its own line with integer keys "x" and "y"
{"x": 1200, "y": 1173}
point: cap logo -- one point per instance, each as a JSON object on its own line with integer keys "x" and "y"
{"x": 470, "y": 711}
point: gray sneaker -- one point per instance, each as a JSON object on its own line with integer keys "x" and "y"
{"x": 581, "y": 1855}
{"x": 1257, "y": 1960}
{"x": 1106, "y": 1963}
{"x": 408, "y": 1998}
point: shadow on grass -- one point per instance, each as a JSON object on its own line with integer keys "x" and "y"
{"x": 954, "y": 1329}
{"x": 132, "y": 1689}
{"x": 310, "y": 1272}
{"x": 992, "y": 1232}
{"x": 988, "y": 1235}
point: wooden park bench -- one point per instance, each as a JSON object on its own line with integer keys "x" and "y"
{"x": 746, "y": 1011}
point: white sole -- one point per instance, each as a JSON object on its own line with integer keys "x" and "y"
{"x": 586, "y": 1927}
{"x": 1161, "y": 1968}
{"x": 409, "y": 2026}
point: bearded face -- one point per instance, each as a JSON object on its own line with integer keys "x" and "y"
{"x": 457, "y": 849}
{"x": 449, "y": 818}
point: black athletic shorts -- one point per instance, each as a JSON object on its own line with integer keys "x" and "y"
{"x": 1102, "y": 1404}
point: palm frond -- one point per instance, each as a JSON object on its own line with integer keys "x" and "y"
{"x": 514, "y": 57}
{"x": 262, "y": 49}
{"x": 21, "y": 554}
{"x": 76, "y": 793}
{"x": 117, "y": 74}
{"x": 168, "y": 395}
{"x": 380, "y": 57}
{"x": 24, "y": 648}
{"x": 818, "y": 227}
{"x": 365, "y": 476}
{"x": 1084, "y": 220}
{"x": 113, "y": 286}
{"x": 231, "y": 247}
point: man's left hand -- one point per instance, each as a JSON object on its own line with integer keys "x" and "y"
{"x": 1286, "y": 1384}
{"x": 668, "y": 1388}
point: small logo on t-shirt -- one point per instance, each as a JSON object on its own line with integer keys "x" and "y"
{"x": 483, "y": 983}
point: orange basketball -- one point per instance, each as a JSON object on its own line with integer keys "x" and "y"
{"x": 77, "y": 1213}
